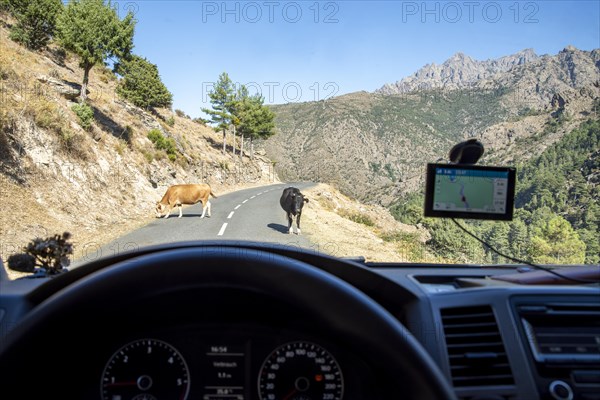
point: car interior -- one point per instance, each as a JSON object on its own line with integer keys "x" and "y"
{"x": 251, "y": 320}
{"x": 229, "y": 319}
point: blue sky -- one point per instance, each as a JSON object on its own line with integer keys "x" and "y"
{"x": 294, "y": 51}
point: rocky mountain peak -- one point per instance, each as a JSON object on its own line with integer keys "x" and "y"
{"x": 570, "y": 49}
{"x": 526, "y": 55}
{"x": 457, "y": 72}
{"x": 458, "y": 57}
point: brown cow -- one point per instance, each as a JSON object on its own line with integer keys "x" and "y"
{"x": 177, "y": 195}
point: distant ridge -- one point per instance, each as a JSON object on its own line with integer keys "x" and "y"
{"x": 372, "y": 146}
{"x": 457, "y": 72}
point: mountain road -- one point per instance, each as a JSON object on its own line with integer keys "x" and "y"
{"x": 250, "y": 214}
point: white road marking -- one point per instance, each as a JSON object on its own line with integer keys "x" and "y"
{"x": 238, "y": 206}
{"x": 222, "y": 229}
{"x": 252, "y": 197}
{"x": 244, "y": 201}
{"x": 230, "y": 215}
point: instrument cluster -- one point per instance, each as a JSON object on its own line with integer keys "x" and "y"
{"x": 247, "y": 363}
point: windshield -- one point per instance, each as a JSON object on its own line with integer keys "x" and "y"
{"x": 345, "y": 101}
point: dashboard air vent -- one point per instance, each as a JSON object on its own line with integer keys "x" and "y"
{"x": 563, "y": 331}
{"x": 475, "y": 350}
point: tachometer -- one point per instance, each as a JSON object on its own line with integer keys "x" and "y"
{"x": 146, "y": 369}
{"x": 300, "y": 371}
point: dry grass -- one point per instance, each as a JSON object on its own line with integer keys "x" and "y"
{"x": 328, "y": 222}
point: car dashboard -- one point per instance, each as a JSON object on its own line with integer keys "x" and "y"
{"x": 499, "y": 340}
{"x": 153, "y": 335}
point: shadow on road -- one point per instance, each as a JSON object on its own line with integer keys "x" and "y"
{"x": 278, "y": 227}
{"x": 176, "y": 215}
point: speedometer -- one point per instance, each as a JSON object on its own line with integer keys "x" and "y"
{"x": 300, "y": 371}
{"x": 146, "y": 369}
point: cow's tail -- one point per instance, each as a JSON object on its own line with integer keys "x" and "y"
{"x": 212, "y": 194}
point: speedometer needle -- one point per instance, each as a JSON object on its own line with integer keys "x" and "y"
{"x": 289, "y": 396}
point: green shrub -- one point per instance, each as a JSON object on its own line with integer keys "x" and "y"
{"x": 162, "y": 143}
{"x": 399, "y": 236}
{"x": 85, "y": 114}
{"x": 358, "y": 218}
{"x": 181, "y": 114}
{"x": 155, "y": 136}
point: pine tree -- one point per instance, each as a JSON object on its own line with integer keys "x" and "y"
{"x": 237, "y": 107}
{"x": 141, "y": 83}
{"x": 555, "y": 241}
{"x": 256, "y": 120}
{"x": 94, "y": 32}
{"x": 499, "y": 236}
{"x": 221, "y": 99}
{"x": 518, "y": 237}
{"x": 36, "y": 20}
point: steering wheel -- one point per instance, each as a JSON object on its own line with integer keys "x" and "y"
{"x": 348, "y": 313}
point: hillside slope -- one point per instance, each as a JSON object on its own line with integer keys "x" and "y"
{"x": 559, "y": 188}
{"x": 100, "y": 182}
{"x": 342, "y": 227}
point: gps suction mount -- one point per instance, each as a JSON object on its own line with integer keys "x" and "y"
{"x": 467, "y": 152}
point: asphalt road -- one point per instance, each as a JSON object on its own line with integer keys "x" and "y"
{"x": 250, "y": 214}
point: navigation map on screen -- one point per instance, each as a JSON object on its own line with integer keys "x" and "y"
{"x": 470, "y": 192}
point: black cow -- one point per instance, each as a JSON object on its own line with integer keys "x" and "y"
{"x": 292, "y": 202}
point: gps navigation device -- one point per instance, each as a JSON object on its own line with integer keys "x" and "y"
{"x": 469, "y": 191}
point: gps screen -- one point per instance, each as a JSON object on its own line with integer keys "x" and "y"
{"x": 468, "y": 191}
